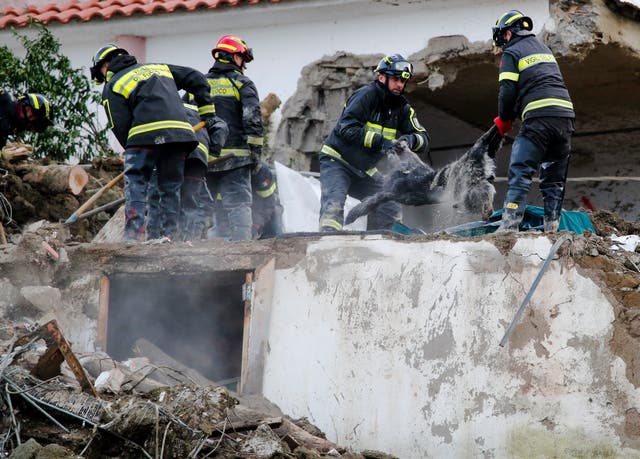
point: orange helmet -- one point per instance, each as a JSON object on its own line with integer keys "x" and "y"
{"x": 228, "y": 45}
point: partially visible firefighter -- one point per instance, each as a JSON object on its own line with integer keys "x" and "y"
{"x": 29, "y": 112}
{"x": 238, "y": 104}
{"x": 192, "y": 220}
{"x": 532, "y": 89}
{"x": 146, "y": 115}
{"x": 375, "y": 118}
{"x": 266, "y": 210}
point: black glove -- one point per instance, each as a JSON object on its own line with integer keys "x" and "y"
{"x": 410, "y": 139}
{"x": 218, "y": 131}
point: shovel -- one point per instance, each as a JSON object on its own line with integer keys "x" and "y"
{"x": 74, "y": 217}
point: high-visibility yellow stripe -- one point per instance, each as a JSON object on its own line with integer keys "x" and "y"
{"x": 386, "y": 132}
{"x": 510, "y": 20}
{"x": 203, "y": 148}
{"x": 223, "y": 87}
{"x": 550, "y": 102}
{"x": 105, "y": 102}
{"x": 327, "y": 150}
{"x": 368, "y": 139}
{"x": 268, "y": 192}
{"x": 327, "y": 222}
{"x": 190, "y": 106}
{"x": 534, "y": 59}
{"x": 253, "y": 140}
{"x": 371, "y": 172}
{"x": 414, "y": 121}
{"x": 130, "y": 80}
{"x": 105, "y": 52}
{"x": 513, "y": 76}
{"x": 207, "y": 110}
{"x": 234, "y": 152}
{"x": 156, "y": 125}
{"x": 229, "y": 47}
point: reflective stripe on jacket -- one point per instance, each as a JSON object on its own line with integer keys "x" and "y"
{"x": 237, "y": 103}
{"x": 369, "y": 120}
{"x": 143, "y": 105}
{"x": 531, "y": 84}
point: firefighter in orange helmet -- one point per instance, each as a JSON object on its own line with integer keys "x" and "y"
{"x": 237, "y": 103}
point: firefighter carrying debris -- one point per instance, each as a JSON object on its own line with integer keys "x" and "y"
{"x": 374, "y": 119}
{"x": 532, "y": 88}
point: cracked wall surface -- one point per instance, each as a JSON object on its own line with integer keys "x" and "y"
{"x": 397, "y": 348}
{"x": 392, "y": 343}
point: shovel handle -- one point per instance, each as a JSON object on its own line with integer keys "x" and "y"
{"x": 74, "y": 217}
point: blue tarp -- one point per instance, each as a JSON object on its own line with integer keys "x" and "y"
{"x": 577, "y": 222}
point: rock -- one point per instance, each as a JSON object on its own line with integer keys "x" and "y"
{"x": 8, "y": 292}
{"x": 42, "y": 297}
{"x": 54, "y": 451}
{"x": 27, "y": 450}
{"x": 263, "y": 442}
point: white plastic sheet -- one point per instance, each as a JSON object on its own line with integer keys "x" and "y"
{"x": 300, "y": 199}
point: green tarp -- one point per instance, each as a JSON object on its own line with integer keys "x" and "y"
{"x": 576, "y": 222}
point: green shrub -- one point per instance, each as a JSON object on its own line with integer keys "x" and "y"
{"x": 45, "y": 70}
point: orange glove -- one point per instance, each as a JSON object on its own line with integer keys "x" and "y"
{"x": 503, "y": 126}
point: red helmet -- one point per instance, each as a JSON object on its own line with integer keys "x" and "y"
{"x": 228, "y": 45}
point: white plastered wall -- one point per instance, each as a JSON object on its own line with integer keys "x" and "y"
{"x": 393, "y": 346}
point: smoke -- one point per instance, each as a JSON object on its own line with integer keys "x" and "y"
{"x": 196, "y": 319}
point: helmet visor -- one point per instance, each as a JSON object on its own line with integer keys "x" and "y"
{"x": 400, "y": 69}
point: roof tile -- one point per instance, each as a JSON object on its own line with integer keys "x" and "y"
{"x": 107, "y": 9}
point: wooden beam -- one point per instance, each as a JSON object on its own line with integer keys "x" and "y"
{"x": 103, "y": 313}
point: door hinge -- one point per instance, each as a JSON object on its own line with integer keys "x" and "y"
{"x": 247, "y": 292}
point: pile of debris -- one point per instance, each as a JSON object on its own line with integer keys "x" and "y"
{"x": 92, "y": 406}
{"x": 32, "y": 190}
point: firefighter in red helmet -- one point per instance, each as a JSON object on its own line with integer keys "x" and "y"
{"x": 237, "y": 103}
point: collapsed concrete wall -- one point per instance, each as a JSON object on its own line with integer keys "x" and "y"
{"x": 454, "y": 92}
{"x": 394, "y": 345}
{"x": 389, "y": 343}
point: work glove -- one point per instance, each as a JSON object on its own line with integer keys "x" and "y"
{"x": 218, "y": 131}
{"x": 503, "y": 126}
{"x": 410, "y": 140}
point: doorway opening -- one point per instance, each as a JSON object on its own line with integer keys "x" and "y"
{"x": 196, "y": 319}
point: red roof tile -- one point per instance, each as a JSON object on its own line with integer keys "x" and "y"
{"x": 106, "y": 9}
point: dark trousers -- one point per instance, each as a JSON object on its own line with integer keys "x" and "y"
{"x": 234, "y": 188}
{"x": 543, "y": 145}
{"x": 336, "y": 182}
{"x": 138, "y": 167}
{"x": 192, "y": 218}
{"x": 192, "y": 213}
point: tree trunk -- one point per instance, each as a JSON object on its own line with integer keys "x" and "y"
{"x": 57, "y": 178}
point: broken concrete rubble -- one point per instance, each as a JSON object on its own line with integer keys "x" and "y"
{"x": 169, "y": 421}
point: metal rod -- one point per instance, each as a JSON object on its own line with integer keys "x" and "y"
{"x": 554, "y": 248}
{"x": 106, "y": 206}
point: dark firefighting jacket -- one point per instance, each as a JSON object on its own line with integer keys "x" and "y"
{"x": 531, "y": 84}
{"x": 237, "y": 103}
{"x": 8, "y": 121}
{"x": 201, "y": 152}
{"x": 371, "y": 119}
{"x": 143, "y": 105}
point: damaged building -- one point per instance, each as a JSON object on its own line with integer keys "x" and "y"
{"x": 359, "y": 344}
